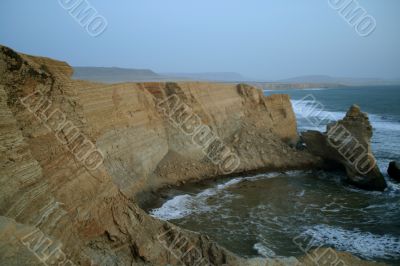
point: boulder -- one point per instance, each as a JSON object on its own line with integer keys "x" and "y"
{"x": 394, "y": 170}
{"x": 346, "y": 145}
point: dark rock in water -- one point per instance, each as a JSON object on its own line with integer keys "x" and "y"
{"x": 346, "y": 144}
{"x": 300, "y": 145}
{"x": 394, "y": 170}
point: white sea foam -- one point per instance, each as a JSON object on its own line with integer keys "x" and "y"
{"x": 314, "y": 89}
{"x": 384, "y": 206}
{"x": 393, "y": 189}
{"x": 385, "y": 141}
{"x": 307, "y": 108}
{"x": 364, "y": 244}
{"x": 301, "y": 193}
{"x": 230, "y": 183}
{"x": 177, "y": 207}
{"x": 318, "y": 116}
{"x": 181, "y": 206}
{"x": 383, "y": 124}
{"x": 264, "y": 250}
{"x": 310, "y": 89}
{"x": 313, "y": 109}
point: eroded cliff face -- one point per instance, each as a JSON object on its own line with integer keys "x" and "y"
{"x": 145, "y": 149}
{"x": 76, "y": 157}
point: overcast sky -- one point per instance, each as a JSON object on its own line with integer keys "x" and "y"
{"x": 258, "y": 38}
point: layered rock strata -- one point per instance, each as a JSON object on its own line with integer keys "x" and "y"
{"x": 76, "y": 157}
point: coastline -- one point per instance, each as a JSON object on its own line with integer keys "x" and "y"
{"x": 49, "y": 189}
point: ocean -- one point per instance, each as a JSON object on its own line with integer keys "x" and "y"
{"x": 381, "y": 103}
{"x": 271, "y": 214}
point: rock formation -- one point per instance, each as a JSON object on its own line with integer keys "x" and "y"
{"x": 76, "y": 158}
{"x": 394, "y": 170}
{"x": 346, "y": 144}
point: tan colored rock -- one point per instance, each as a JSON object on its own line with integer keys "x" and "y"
{"x": 328, "y": 256}
{"x": 48, "y": 121}
{"x": 347, "y": 144}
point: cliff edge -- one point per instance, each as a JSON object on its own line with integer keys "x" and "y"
{"x": 77, "y": 157}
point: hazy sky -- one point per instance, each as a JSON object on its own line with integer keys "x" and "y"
{"x": 258, "y": 38}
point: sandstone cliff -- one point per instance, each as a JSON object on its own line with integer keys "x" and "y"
{"x": 47, "y": 185}
{"x": 76, "y": 157}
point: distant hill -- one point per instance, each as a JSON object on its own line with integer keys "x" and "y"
{"x": 339, "y": 80}
{"x": 209, "y": 76}
{"x": 293, "y": 85}
{"x": 115, "y": 74}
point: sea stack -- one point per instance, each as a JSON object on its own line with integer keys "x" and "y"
{"x": 347, "y": 144}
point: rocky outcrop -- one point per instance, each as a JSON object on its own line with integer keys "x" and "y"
{"x": 346, "y": 144}
{"x": 77, "y": 156}
{"x": 394, "y": 170}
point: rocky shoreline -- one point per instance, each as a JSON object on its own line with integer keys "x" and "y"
{"x": 78, "y": 157}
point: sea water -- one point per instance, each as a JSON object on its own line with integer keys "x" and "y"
{"x": 263, "y": 215}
